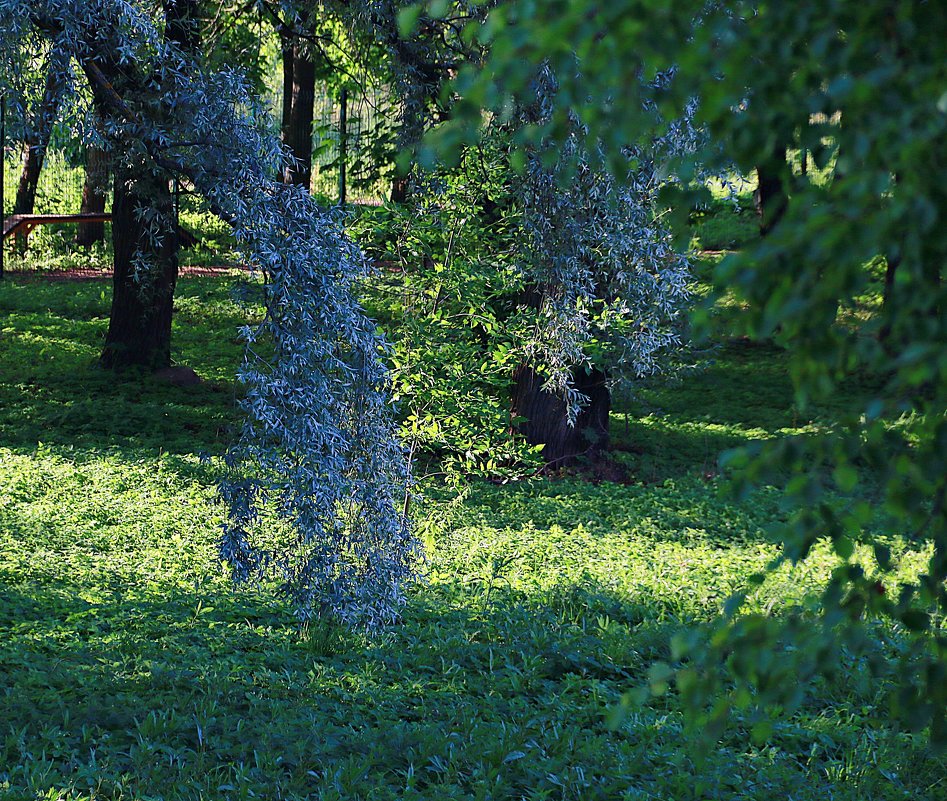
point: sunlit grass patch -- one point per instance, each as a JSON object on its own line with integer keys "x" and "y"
{"x": 130, "y": 668}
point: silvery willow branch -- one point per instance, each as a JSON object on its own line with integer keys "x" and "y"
{"x": 317, "y": 454}
{"x": 598, "y": 249}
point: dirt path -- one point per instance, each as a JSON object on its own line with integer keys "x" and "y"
{"x": 95, "y": 274}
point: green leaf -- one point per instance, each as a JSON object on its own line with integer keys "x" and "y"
{"x": 916, "y": 620}
{"x": 762, "y": 730}
{"x": 844, "y": 547}
{"x": 408, "y": 19}
{"x": 659, "y": 677}
{"x": 733, "y": 604}
{"x": 883, "y": 556}
{"x": 846, "y": 477}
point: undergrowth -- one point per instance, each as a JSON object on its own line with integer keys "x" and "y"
{"x": 129, "y": 668}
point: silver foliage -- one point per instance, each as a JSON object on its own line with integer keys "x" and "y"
{"x": 597, "y": 249}
{"x": 316, "y": 483}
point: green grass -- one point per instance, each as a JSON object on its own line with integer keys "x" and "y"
{"x": 51, "y": 391}
{"x": 727, "y": 223}
{"x": 129, "y": 668}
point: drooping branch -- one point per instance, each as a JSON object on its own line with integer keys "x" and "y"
{"x": 318, "y": 448}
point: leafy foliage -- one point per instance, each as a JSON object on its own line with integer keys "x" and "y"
{"x": 860, "y": 89}
{"x": 607, "y": 271}
{"x": 332, "y": 468}
{"x": 419, "y": 53}
{"x": 446, "y": 295}
{"x": 318, "y": 449}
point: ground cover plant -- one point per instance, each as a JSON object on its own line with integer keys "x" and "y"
{"x": 130, "y": 668}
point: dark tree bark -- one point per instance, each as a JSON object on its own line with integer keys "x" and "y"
{"x": 93, "y": 196}
{"x": 887, "y": 299}
{"x": 34, "y": 151}
{"x": 139, "y": 333}
{"x": 33, "y": 156}
{"x": 770, "y": 196}
{"x": 399, "y": 189}
{"x": 286, "y": 50}
{"x": 297, "y": 121}
{"x": 144, "y": 235}
{"x": 546, "y": 421}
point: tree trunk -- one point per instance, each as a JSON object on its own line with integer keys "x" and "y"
{"x": 770, "y": 196}
{"x": 887, "y": 299}
{"x": 139, "y": 333}
{"x": 399, "y": 189}
{"x": 93, "y": 196}
{"x": 42, "y": 126}
{"x": 546, "y": 422}
{"x": 144, "y": 234}
{"x": 286, "y": 49}
{"x": 297, "y": 123}
{"x": 33, "y": 155}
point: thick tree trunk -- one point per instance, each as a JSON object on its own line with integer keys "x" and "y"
{"x": 93, "y": 196}
{"x": 546, "y": 421}
{"x": 297, "y": 123}
{"x": 144, "y": 236}
{"x": 139, "y": 333}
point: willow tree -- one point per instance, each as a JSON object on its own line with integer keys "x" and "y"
{"x": 317, "y": 448}
{"x": 596, "y": 259}
{"x": 602, "y": 267}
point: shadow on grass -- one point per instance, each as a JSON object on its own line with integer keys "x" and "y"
{"x": 743, "y": 394}
{"x": 52, "y": 391}
{"x": 172, "y": 686}
{"x": 97, "y": 410}
{"x": 183, "y": 694}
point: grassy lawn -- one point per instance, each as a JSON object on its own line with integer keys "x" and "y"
{"x": 129, "y": 669}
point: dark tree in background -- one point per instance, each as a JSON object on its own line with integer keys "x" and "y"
{"x": 94, "y": 195}
{"x": 770, "y": 195}
{"x": 144, "y": 233}
{"x": 546, "y": 416}
{"x": 299, "y": 94}
{"x": 43, "y": 119}
{"x": 145, "y": 271}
